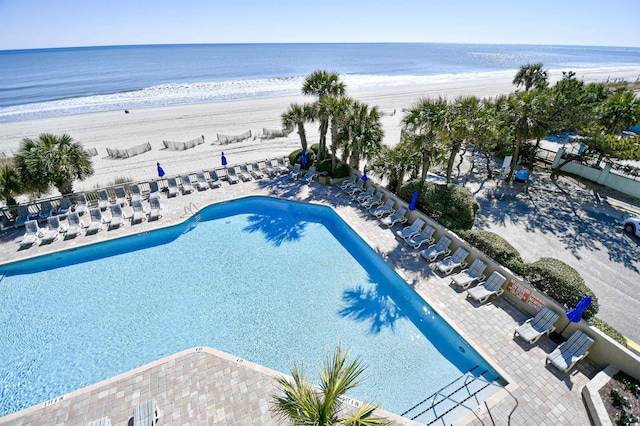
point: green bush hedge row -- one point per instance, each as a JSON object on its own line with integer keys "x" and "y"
{"x": 608, "y": 330}
{"x": 561, "y": 282}
{"x": 496, "y": 247}
{"x": 454, "y": 206}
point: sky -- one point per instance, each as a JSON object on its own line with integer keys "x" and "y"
{"x": 28, "y": 24}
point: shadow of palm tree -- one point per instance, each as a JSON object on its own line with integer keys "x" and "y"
{"x": 371, "y": 305}
{"x": 277, "y": 230}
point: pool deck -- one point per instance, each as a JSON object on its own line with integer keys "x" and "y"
{"x": 205, "y": 386}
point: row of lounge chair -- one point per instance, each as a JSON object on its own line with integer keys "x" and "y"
{"x": 419, "y": 233}
{"x": 46, "y": 209}
{"x": 35, "y": 234}
{"x": 144, "y": 414}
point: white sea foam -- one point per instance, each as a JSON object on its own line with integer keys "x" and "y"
{"x": 184, "y": 93}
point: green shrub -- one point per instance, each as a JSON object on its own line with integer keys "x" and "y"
{"x": 296, "y": 158}
{"x": 496, "y": 247}
{"x": 561, "y": 282}
{"x": 608, "y": 330}
{"x": 342, "y": 169}
{"x": 452, "y": 205}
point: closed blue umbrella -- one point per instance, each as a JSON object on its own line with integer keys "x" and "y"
{"x": 364, "y": 174}
{"x": 575, "y": 314}
{"x": 414, "y": 200}
{"x": 160, "y": 171}
{"x": 304, "y": 157}
{"x": 224, "y": 160}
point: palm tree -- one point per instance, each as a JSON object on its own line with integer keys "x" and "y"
{"x": 323, "y": 84}
{"x": 52, "y": 160}
{"x": 296, "y": 115}
{"x": 396, "y": 163}
{"x": 526, "y": 116}
{"x": 302, "y": 403}
{"x": 363, "y": 134}
{"x": 531, "y": 76}
{"x": 337, "y": 109}
{"x": 10, "y": 184}
{"x": 620, "y": 110}
{"x": 426, "y": 123}
{"x": 462, "y": 113}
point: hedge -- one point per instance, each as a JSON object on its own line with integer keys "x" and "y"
{"x": 496, "y": 247}
{"x": 452, "y": 205}
{"x": 295, "y": 157}
{"x": 608, "y": 330}
{"x": 561, "y": 282}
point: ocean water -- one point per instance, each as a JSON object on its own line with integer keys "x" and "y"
{"x": 52, "y": 82}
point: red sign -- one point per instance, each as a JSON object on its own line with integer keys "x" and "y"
{"x": 524, "y": 293}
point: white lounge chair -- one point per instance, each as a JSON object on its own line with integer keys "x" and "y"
{"x": 456, "y": 260}
{"x": 398, "y": 217}
{"x": 475, "y": 273}
{"x": 384, "y": 210}
{"x": 432, "y": 252}
{"x": 146, "y": 414}
{"x": 156, "y": 209}
{"x": 373, "y": 201}
{"x": 172, "y": 187}
{"x": 414, "y": 229}
{"x": 66, "y": 207}
{"x": 81, "y": 204}
{"x": 271, "y": 170}
{"x": 103, "y": 199}
{"x": 539, "y": 325}
{"x": 484, "y": 291}
{"x": 154, "y": 191}
{"x": 117, "y": 217}
{"x": 46, "y": 210}
{"x": 136, "y": 192}
{"x": 215, "y": 180}
{"x": 104, "y": 421}
{"x": 348, "y": 183}
{"x": 121, "y": 196}
{"x": 295, "y": 173}
{"x": 244, "y": 173}
{"x": 75, "y": 226}
{"x": 139, "y": 213}
{"x": 424, "y": 237}
{"x": 187, "y": 187}
{"x": 355, "y": 188}
{"x": 363, "y": 196}
{"x": 201, "y": 182}
{"x": 310, "y": 175}
{"x": 567, "y": 354}
{"x": 282, "y": 166}
{"x": 256, "y": 172}
{"x": 232, "y": 177}
{"x": 31, "y": 235}
{"x": 23, "y": 216}
{"x": 96, "y": 221}
{"x": 53, "y": 230}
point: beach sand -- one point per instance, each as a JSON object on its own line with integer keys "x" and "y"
{"x": 115, "y": 129}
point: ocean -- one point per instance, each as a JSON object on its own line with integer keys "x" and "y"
{"x": 53, "y": 82}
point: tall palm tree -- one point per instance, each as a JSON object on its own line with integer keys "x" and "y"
{"x": 531, "y": 76}
{"x": 462, "y": 115}
{"x": 10, "y": 184}
{"x": 296, "y": 116}
{"x": 426, "y": 124}
{"x": 52, "y": 160}
{"x": 337, "y": 109}
{"x": 527, "y": 116}
{"x": 364, "y": 134}
{"x": 396, "y": 163}
{"x": 302, "y": 403}
{"x": 323, "y": 84}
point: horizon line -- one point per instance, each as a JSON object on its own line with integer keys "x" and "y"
{"x": 302, "y": 43}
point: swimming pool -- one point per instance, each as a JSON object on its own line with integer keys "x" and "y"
{"x": 267, "y": 280}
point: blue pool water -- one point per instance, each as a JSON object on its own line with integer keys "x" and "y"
{"x": 271, "y": 281}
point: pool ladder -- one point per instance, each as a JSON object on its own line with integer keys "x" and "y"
{"x": 428, "y": 406}
{"x": 192, "y": 211}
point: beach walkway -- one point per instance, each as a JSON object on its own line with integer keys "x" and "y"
{"x": 203, "y": 386}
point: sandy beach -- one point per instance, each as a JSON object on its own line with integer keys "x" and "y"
{"x": 115, "y": 129}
